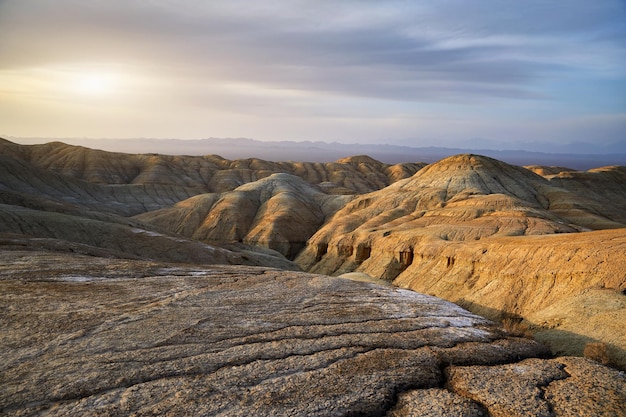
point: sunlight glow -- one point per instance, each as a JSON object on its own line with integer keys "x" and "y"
{"x": 96, "y": 84}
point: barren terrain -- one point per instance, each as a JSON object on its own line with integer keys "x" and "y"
{"x": 155, "y": 284}
{"x": 95, "y": 336}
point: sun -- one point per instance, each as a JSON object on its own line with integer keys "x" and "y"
{"x": 95, "y": 84}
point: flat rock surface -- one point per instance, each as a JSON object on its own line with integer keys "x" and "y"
{"x": 95, "y": 336}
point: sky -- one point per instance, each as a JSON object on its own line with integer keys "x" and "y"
{"x": 536, "y": 75}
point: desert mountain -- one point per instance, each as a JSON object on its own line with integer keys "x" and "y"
{"x": 578, "y": 156}
{"x": 204, "y": 174}
{"x": 461, "y": 198}
{"x": 279, "y": 212}
{"x": 493, "y": 237}
{"x": 500, "y": 240}
{"x": 43, "y": 209}
{"x": 100, "y": 336}
{"x": 30, "y": 185}
{"x": 101, "y": 186}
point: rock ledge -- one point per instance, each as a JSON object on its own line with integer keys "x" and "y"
{"x": 95, "y": 336}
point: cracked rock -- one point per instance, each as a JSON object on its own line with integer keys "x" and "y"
{"x": 566, "y": 386}
{"x": 85, "y": 336}
{"x": 591, "y": 390}
{"x": 435, "y": 402}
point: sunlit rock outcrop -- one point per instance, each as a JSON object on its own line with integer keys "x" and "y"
{"x": 495, "y": 238}
{"x": 279, "y": 212}
{"x": 461, "y": 198}
{"x": 95, "y": 336}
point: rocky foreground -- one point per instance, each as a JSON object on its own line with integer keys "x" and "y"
{"x": 95, "y": 336}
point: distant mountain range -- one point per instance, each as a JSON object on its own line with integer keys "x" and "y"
{"x": 238, "y": 148}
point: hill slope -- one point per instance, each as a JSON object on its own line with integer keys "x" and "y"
{"x": 43, "y": 209}
{"x": 279, "y": 212}
{"x": 204, "y": 174}
{"x": 498, "y": 239}
{"x": 495, "y": 238}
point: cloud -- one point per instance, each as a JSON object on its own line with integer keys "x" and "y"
{"x": 270, "y": 42}
{"x": 328, "y": 59}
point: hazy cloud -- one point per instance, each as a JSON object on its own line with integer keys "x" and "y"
{"x": 305, "y": 58}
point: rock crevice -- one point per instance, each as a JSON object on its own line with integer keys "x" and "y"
{"x": 132, "y": 336}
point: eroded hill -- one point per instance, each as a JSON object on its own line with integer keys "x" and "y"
{"x": 43, "y": 209}
{"x": 279, "y": 212}
{"x": 86, "y": 196}
{"x": 204, "y": 174}
{"x": 495, "y": 238}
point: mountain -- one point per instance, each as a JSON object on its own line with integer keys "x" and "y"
{"x": 155, "y": 284}
{"x": 495, "y": 238}
{"x": 541, "y": 246}
{"x": 202, "y": 174}
{"x": 87, "y": 197}
{"x": 577, "y": 156}
{"x": 43, "y": 209}
{"x": 463, "y": 198}
{"x": 279, "y": 212}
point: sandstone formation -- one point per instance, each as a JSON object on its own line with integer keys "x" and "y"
{"x": 24, "y": 184}
{"x": 604, "y": 185}
{"x": 122, "y": 334}
{"x": 95, "y": 336}
{"x": 529, "y": 388}
{"x": 548, "y": 388}
{"x": 459, "y": 199}
{"x": 497, "y": 239}
{"x": 279, "y": 212}
{"x": 204, "y": 174}
{"x": 39, "y": 207}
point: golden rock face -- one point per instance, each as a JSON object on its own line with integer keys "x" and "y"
{"x": 497, "y": 239}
